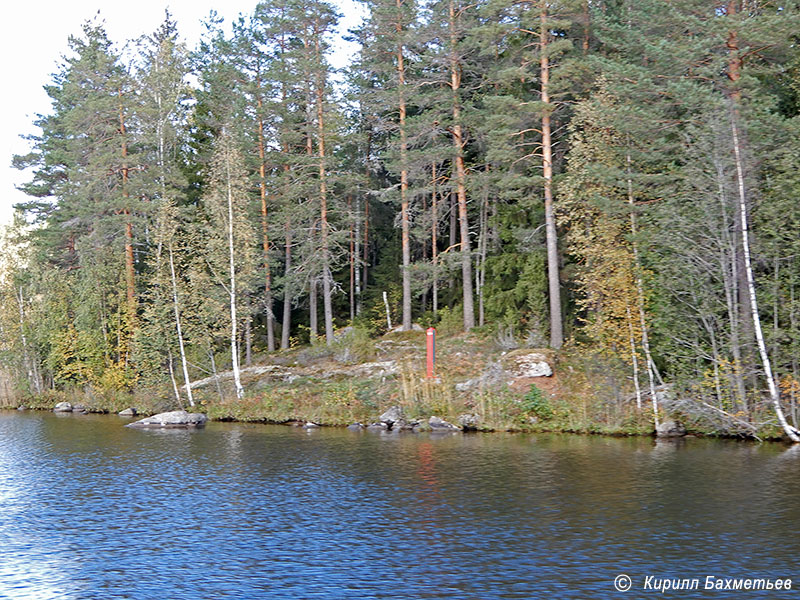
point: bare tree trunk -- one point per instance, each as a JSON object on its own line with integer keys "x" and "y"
{"x": 640, "y": 298}
{"x": 776, "y": 312}
{"x": 357, "y": 256}
{"x": 287, "y": 292}
{"x": 313, "y": 310}
{"x": 215, "y": 373}
{"x": 554, "y": 284}
{"x": 434, "y": 240}
{"x": 730, "y": 279}
{"x": 176, "y": 309}
{"x": 482, "y": 244}
{"x": 129, "y": 259}
{"x": 262, "y": 172}
{"x": 790, "y": 431}
{"x": 248, "y": 340}
{"x": 172, "y": 378}
{"x": 323, "y": 194}
{"x": 747, "y": 339}
{"x": 232, "y": 287}
{"x": 460, "y": 174}
{"x": 587, "y": 23}
{"x": 388, "y": 312}
{"x": 352, "y": 259}
{"x": 404, "y": 221}
{"x": 366, "y": 243}
{"x": 30, "y": 364}
{"x": 634, "y": 358}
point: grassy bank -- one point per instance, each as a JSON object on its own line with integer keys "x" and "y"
{"x": 358, "y": 378}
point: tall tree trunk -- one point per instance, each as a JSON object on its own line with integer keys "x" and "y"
{"x": 313, "y": 310}
{"x": 28, "y": 361}
{"x": 327, "y": 301}
{"x": 747, "y": 333}
{"x": 178, "y": 328}
{"x": 634, "y": 358}
{"x": 286, "y": 322}
{"x": 232, "y": 287}
{"x": 365, "y": 259}
{"x": 129, "y": 259}
{"x": 248, "y": 340}
{"x": 434, "y": 239}
{"x": 352, "y": 258}
{"x": 172, "y": 378}
{"x": 357, "y": 255}
{"x": 404, "y": 221}
{"x": 730, "y": 279}
{"x": 460, "y": 173}
{"x": 262, "y": 173}
{"x": 774, "y": 393}
{"x": 587, "y": 24}
{"x": 214, "y": 372}
{"x": 640, "y": 298}
{"x": 480, "y": 279}
{"x": 554, "y": 286}
{"x": 287, "y": 291}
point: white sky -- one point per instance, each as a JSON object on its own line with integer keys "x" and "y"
{"x": 33, "y": 38}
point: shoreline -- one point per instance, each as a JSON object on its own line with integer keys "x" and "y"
{"x": 477, "y": 382}
{"x": 304, "y": 423}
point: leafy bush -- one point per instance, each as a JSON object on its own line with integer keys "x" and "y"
{"x": 536, "y": 403}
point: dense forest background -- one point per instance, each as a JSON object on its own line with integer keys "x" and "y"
{"x": 610, "y": 176}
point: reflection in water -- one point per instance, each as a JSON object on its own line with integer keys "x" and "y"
{"x": 91, "y": 510}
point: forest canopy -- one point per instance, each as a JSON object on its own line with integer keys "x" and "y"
{"x": 616, "y": 176}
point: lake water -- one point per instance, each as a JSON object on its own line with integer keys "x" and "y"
{"x": 92, "y": 510}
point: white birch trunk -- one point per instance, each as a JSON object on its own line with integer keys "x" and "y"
{"x": 634, "y": 359}
{"x": 172, "y": 379}
{"x": 790, "y": 431}
{"x": 175, "y": 306}
{"x": 640, "y": 299}
{"x": 357, "y": 255}
{"x": 232, "y": 289}
{"x": 388, "y": 313}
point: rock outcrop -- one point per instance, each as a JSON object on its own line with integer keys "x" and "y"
{"x": 391, "y": 416}
{"x": 670, "y": 428}
{"x": 439, "y": 425}
{"x": 527, "y": 363}
{"x": 171, "y": 420}
{"x": 63, "y": 407}
{"x": 469, "y": 421}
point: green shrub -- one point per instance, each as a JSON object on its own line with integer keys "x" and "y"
{"x": 536, "y": 403}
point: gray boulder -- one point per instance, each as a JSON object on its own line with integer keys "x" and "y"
{"x": 469, "y": 422}
{"x": 128, "y": 412}
{"x": 670, "y": 428}
{"x": 355, "y": 426}
{"x": 391, "y": 416}
{"x": 438, "y": 424}
{"x": 80, "y": 408}
{"x": 377, "y": 427}
{"x": 421, "y": 426}
{"x": 171, "y": 420}
{"x": 63, "y": 407}
{"x": 527, "y": 363}
{"x": 403, "y": 425}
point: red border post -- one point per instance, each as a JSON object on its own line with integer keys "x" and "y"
{"x": 431, "y": 345}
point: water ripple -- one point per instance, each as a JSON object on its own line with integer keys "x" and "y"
{"x": 91, "y": 510}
